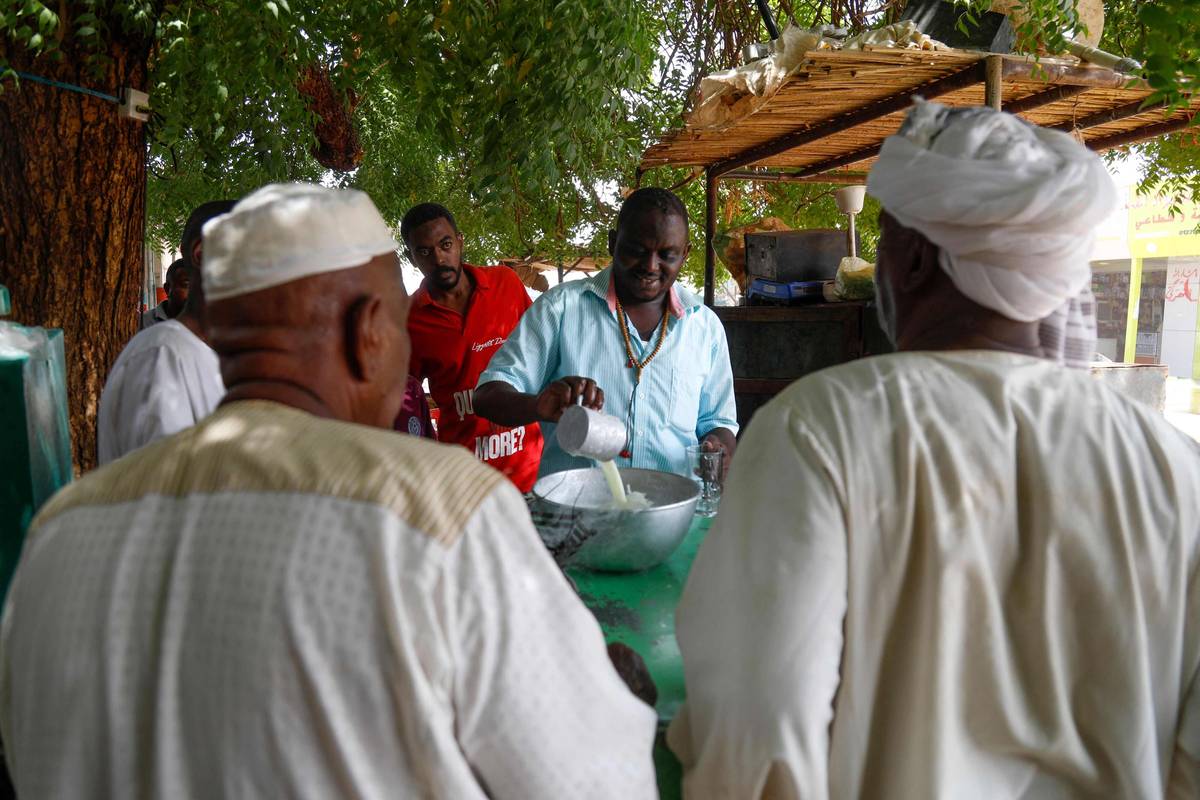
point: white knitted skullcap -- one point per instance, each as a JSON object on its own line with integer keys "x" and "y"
{"x": 287, "y": 231}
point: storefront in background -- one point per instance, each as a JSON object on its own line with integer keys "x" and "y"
{"x": 1147, "y": 285}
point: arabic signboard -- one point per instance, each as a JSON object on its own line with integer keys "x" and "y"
{"x": 1156, "y": 232}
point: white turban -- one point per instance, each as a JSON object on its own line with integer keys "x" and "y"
{"x": 287, "y": 231}
{"x": 1012, "y": 207}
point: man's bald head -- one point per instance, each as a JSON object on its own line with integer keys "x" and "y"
{"x": 306, "y": 305}
{"x": 338, "y": 338}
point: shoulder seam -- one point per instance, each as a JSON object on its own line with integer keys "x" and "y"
{"x": 238, "y": 450}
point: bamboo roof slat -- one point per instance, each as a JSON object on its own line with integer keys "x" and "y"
{"x": 833, "y": 88}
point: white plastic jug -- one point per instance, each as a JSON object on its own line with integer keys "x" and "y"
{"x": 590, "y": 434}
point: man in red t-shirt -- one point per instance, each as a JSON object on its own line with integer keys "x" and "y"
{"x": 457, "y": 319}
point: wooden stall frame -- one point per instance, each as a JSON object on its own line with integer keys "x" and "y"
{"x": 1058, "y": 81}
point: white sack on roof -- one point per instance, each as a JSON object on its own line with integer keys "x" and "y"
{"x": 902, "y": 36}
{"x": 731, "y": 95}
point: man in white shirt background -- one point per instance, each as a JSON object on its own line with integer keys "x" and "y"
{"x": 167, "y": 378}
{"x": 175, "y": 284}
{"x": 963, "y": 570}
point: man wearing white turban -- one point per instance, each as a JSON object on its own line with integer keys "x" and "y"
{"x": 290, "y": 600}
{"x": 1012, "y": 209}
{"x": 982, "y": 577}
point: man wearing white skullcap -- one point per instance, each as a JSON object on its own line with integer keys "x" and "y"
{"x": 289, "y": 599}
{"x": 980, "y": 576}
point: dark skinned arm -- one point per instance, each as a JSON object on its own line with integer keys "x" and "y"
{"x": 721, "y": 439}
{"x": 498, "y": 402}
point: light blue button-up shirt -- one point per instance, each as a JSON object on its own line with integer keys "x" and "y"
{"x": 686, "y": 391}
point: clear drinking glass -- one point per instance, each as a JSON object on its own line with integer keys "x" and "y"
{"x": 706, "y": 469}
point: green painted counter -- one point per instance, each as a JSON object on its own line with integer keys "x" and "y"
{"x": 638, "y": 609}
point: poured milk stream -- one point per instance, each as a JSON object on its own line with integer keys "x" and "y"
{"x": 633, "y": 501}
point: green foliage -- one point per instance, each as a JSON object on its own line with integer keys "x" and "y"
{"x": 403, "y": 168}
{"x": 1046, "y": 23}
{"x": 1124, "y": 33}
{"x": 521, "y": 115}
{"x": 510, "y": 110}
{"x": 223, "y": 87}
{"x": 546, "y": 77}
{"x": 1172, "y": 51}
{"x": 88, "y": 27}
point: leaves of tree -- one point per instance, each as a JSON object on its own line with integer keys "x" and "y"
{"x": 525, "y": 116}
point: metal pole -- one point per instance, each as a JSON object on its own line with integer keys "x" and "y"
{"x": 768, "y": 19}
{"x": 993, "y": 85}
{"x": 1031, "y": 69}
{"x": 852, "y": 245}
{"x": 710, "y": 235}
{"x": 1134, "y": 312}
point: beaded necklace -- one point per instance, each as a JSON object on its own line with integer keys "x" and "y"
{"x": 632, "y": 361}
{"x": 639, "y": 366}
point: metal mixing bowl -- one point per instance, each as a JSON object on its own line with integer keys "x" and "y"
{"x": 573, "y": 513}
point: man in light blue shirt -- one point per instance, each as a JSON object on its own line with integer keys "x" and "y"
{"x": 627, "y": 340}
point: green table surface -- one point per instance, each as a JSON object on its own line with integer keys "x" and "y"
{"x": 638, "y": 609}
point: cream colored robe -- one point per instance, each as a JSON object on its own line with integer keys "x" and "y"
{"x": 275, "y": 605}
{"x": 969, "y": 575}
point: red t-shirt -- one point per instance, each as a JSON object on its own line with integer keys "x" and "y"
{"x": 451, "y": 350}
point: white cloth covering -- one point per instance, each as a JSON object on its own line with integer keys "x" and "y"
{"x": 274, "y": 605}
{"x": 287, "y": 231}
{"x": 166, "y": 379}
{"x": 969, "y": 575}
{"x": 1012, "y": 207}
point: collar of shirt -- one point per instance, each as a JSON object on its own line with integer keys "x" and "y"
{"x": 479, "y": 277}
{"x": 603, "y": 286}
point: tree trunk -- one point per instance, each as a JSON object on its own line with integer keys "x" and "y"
{"x": 72, "y": 214}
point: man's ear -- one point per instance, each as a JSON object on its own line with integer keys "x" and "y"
{"x": 197, "y": 253}
{"x": 910, "y": 259}
{"x": 924, "y": 266}
{"x": 365, "y": 337}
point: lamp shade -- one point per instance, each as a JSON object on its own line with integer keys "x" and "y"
{"x": 849, "y": 199}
